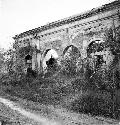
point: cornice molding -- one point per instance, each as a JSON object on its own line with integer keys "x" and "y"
{"x": 69, "y": 20}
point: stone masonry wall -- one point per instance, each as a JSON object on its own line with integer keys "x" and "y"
{"x": 78, "y": 33}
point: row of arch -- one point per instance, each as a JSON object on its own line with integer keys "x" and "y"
{"x": 96, "y": 50}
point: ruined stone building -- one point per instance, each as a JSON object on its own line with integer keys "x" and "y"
{"x": 94, "y": 35}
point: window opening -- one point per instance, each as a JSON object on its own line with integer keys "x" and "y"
{"x": 28, "y": 59}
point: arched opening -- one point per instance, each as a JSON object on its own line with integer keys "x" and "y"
{"x": 50, "y": 60}
{"x": 71, "y": 48}
{"x": 28, "y": 59}
{"x": 71, "y": 59}
{"x": 95, "y": 54}
{"x": 46, "y": 52}
{"x": 24, "y": 51}
{"x": 28, "y": 62}
{"x": 99, "y": 62}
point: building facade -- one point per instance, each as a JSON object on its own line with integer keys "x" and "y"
{"x": 93, "y": 34}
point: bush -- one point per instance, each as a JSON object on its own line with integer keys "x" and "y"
{"x": 96, "y": 104}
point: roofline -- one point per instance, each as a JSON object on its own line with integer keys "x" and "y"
{"x": 70, "y": 19}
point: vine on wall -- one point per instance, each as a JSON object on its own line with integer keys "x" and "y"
{"x": 107, "y": 73}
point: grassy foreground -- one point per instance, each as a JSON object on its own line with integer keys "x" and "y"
{"x": 73, "y": 94}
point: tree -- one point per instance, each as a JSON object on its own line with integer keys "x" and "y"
{"x": 9, "y": 55}
{"x": 70, "y": 61}
{"x": 2, "y": 61}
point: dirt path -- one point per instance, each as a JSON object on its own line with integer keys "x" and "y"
{"x": 50, "y": 116}
{"x": 36, "y": 117}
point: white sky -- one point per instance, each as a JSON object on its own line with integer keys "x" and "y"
{"x": 17, "y": 16}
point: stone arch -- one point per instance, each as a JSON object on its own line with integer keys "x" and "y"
{"x": 45, "y": 52}
{"x": 72, "y": 59}
{"x": 99, "y": 40}
{"x": 100, "y": 58}
{"x": 95, "y": 52}
{"x": 24, "y": 51}
{"x": 53, "y": 43}
{"x": 99, "y": 55}
{"x": 96, "y": 45}
{"x": 49, "y": 58}
{"x": 28, "y": 63}
{"x": 73, "y": 47}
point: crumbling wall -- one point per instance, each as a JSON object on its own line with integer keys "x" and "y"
{"x": 80, "y": 33}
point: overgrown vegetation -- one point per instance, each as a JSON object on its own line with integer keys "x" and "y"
{"x": 72, "y": 88}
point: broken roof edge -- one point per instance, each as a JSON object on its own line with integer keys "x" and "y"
{"x": 70, "y": 19}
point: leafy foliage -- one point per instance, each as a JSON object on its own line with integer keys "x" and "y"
{"x": 2, "y": 59}
{"x": 70, "y": 61}
{"x": 106, "y": 74}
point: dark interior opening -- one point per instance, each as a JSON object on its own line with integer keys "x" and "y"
{"x": 93, "y": 48}
{"x": 51, "y": 62}
{"x": 28, "y": 57}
